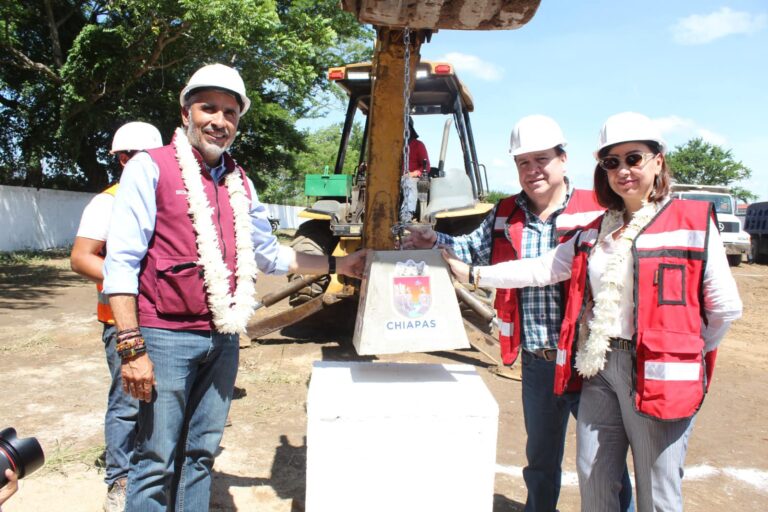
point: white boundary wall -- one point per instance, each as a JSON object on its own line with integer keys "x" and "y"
{"x": 45, "y": 219}
{"x": 288, "y": 215}
{"x": 39, "y": 218}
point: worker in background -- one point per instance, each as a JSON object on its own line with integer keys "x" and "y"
{"x": 650, "y": 296}
{"x": 418, "y": 165}
{"x": 526, "y": 225}
{"x": 87, "y": 259}
{"x": 418, "y": 158}
{"x": 180, "y": 274}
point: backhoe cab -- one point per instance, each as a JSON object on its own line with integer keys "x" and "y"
{"x": 437, "y": 92}
{"x": 449, "y": 198}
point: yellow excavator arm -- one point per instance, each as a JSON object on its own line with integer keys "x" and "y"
{"x": 445, "y": 14}
{"x": 392, "y": 18}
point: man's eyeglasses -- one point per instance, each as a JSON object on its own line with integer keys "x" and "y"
{"x": 612, "y": 163}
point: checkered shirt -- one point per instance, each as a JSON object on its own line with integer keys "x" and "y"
{"x": 541, "y": 310}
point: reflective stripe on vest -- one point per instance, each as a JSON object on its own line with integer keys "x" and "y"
{"x": 582, "y": 208}
{"x": 670, "y": 255}
{"x": 103, "y": 311}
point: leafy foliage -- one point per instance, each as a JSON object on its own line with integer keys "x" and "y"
{"x": 494, "y": 196}
{"x": 319, "y": 155}
{"x": 699, "y": 162}
{"x": 73, "y": 71}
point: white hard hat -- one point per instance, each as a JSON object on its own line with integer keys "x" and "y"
{"x": 218, "y": 76}
{"x": 136, "y": 136}
{"x": 535, "y": 133}
{"x": 629, "y": 127}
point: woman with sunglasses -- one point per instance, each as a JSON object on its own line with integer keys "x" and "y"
{"x": 649, "y": 297}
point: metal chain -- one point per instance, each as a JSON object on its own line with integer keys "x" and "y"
{"x": 406, "y": 97}
{"x": 405, "y": 216}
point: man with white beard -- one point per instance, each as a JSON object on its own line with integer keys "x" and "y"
{"x": 188, "y": 236}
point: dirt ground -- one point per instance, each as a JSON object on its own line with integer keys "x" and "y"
{"x": 54, "y": 383}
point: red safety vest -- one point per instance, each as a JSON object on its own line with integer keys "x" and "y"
{"x": 582, "y": 208}
{"x": 670, "y": 254}
{"x": 103, "y": 311}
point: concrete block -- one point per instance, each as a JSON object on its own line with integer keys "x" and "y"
{"x": 408, "y": 304}
{"x": 385, "y": 437}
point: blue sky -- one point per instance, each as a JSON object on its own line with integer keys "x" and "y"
{"x": 697, "y": 68}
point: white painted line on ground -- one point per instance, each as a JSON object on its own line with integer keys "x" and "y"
{"x": 700, "y": 472}
{"x": 567, "y": 479}
{"x": 757, "y": 478}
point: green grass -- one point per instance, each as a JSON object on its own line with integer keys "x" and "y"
{"x": 33, "y": 345}
{"x": 62, "y": 456}
{"x": 285, "y": 236}
{"x": 33, "y": 256}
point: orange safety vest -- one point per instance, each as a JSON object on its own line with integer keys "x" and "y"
{"x": 671, "y": 373}
{"x": 582, "y": 208}
{"x": 103, "y": 311}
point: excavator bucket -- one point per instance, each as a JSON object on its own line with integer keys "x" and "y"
{"x": 444, "y": 14}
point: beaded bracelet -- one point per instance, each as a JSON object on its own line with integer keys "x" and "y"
{"x": 130, "y": 343}
{"x": 129, "y": 337}
{"x": 128, "y": 354}
{"x": 127, "y": 345}
{"x": 130, "y": 348}
{"x": 125, "y": 332}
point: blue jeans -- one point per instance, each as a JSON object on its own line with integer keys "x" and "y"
{"x": 181, "y": 428}
{"x": 120, "y": 419}
{"x": 546, "y": 423}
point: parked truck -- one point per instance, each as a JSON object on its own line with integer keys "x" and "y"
{"x": 756, "y": 224}
{"x": 735, "y": 239}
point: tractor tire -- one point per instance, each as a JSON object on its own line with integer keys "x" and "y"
{"x": 734, "y": 260}
{"x": 755, "y": 255}
{"x": 312, "y": 237}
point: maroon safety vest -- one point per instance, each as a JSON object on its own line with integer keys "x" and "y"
{"x": 582, "y": 208}
{"x": 670, "y": 256}
{"x": 171, "y": 288}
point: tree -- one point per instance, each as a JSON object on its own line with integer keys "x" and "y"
{"x": 494, "y": 196}
{"x": 73, "y": 71}
{"x": 319, "y": 155}
{"x": 699, "y": 162}
{"x": 323, "y": 146}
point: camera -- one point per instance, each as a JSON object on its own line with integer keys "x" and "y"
{"x": 22, "y": 456}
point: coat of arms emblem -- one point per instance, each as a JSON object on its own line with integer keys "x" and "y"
{"x": 411, "y": 290}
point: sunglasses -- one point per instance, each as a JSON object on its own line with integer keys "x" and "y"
{"x": 612, "y": 163}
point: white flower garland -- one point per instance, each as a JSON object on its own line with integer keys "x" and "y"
{"x": 230, "y": 311}
{"x": 590, "y": 358}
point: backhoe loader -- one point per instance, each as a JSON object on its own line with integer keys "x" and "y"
{"x": 362, "y": 210}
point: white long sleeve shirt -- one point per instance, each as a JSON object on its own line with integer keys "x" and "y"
{"x": 722, "y": 303}
{"x": 133, "y": 224}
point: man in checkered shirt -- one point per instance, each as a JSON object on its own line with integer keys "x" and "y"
{"x": 528, "y": 225}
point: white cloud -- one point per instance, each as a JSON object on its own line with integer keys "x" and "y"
{"x": 674, "y": 128}
{"x": 473, "y": 65}
{"x": 705, "y": 28}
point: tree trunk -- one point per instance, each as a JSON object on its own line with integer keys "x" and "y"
{"x": 96, "y": 174}
{"x": 34, "y": 168}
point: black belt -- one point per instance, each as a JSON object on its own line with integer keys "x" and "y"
{"x": 547, "y": 354}
{"x": 621, "y": 344}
